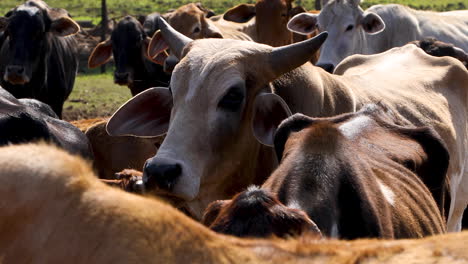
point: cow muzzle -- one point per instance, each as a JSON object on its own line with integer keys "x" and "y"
{"x": 166, "y": 177}
{"x": 121, "y": 78}
{"x": 16, "y": 75}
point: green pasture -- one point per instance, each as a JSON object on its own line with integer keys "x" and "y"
{"x": 91, "y": 9}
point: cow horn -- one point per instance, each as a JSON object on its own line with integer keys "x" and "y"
{"x": 175, "y": 40}
{"x": 287, "y": 58}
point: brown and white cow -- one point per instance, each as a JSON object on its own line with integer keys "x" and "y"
{"x": 216, "y": 98}
{"x": 55, "y": 210}
{"x": 355, "y": 175}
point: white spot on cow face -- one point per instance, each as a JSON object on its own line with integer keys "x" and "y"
{"x": 352, "y": 128}
{"x": 388, "y": 194}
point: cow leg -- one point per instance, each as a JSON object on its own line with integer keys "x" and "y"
{"x": 459, "y": 195}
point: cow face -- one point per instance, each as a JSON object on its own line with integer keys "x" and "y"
{"x": 128, "y": 44}
{"x": 28, "y": 30}
{"x": 216, "y": 101}
{"x": 347, "y": 25}
{"x": 257, "y": 213}
{"x": 192, "y": 21}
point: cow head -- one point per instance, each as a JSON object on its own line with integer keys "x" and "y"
{"x": 347, "y": 25}
{"x": 28, "y": 29}
{"x": 193, "y": 21}
{"x": 271, "y": 21}
{"x": 257, "y": 213}
{"x": 215, "y": 94}
{"x": 128, "y": 44}
{"x": 316, "y": 153}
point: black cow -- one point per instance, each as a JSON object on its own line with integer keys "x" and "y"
{"x": 128, "y": 44}
{"x": 29, "y": 120}
{"x": 38, "y": 58}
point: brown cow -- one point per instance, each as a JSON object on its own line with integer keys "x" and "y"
{"x": 193, "y": 20}
{"x": 217, "y": 96}
{"x": 270, "y": 22}
{"x": 114, "y": 154}
{"x": 355, "y": 175}
{"x": 61, "y": 213}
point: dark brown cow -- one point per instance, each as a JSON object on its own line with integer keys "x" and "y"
{"x": 355, "y": 175}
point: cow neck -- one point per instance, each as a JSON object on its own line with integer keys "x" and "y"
{"x": 314, "y": 92}
{"x": 251, "y": 170}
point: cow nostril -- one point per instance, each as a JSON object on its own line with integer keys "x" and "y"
{"x": 163, "y": 176}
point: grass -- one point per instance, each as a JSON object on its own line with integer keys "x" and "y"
{"x": 91, "y": 9}
{"x": 95, "y": 96}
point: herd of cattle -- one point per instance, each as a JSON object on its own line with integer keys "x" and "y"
{"x": 267, "y": 121}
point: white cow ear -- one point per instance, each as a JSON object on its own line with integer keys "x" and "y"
{"x": 269, "y": 111}
{"x": 145, "y": 115}
{"x": 64, "y": 26}
{"x": 372, "y": 23}
{"x": 303, "y": 23}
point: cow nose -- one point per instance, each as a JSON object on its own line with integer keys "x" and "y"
{"x": 161, "y": 173}
{"x": 16, "y": 70}
{"x": 326, "y": 66}
{"x": 121, "y": 77}
{"x": 170, "y": 63}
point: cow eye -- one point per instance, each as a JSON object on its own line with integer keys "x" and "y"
{"x": 196, "y": 30}
{"x": 232, "y": 100}
{"x": 349, "y": 28}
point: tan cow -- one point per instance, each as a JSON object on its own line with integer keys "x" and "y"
{"x": 61, "y": 213}
{"x": 216, "y": 98}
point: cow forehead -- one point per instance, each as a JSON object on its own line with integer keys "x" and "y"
{"x": 211, "y": 65}
{"x": 30, "y": 10}
{"x": 337, "y": 12}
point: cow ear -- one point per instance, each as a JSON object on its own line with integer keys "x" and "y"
{"x": 303, "y": 23}
{"x": 208, "y": 13}
{"x": 64, "y": 26}
{"x": 211, "y": 31}
{"x": 433, "y": 169}
{"x": 295, "y": 123}
{"x": 3, "y": 23}
{"x": 240, "y": 13}
{"x": 297, "y": 10}
{"x": 145, "y": 115}
{"x": 372, "y": 23}
{"x": 157, "y": 46}
{"x": 212, "y": 211}
{"x": 269, "y": 111}
{"x": 288, "y": 221}
{"x": 101, "y": 54}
